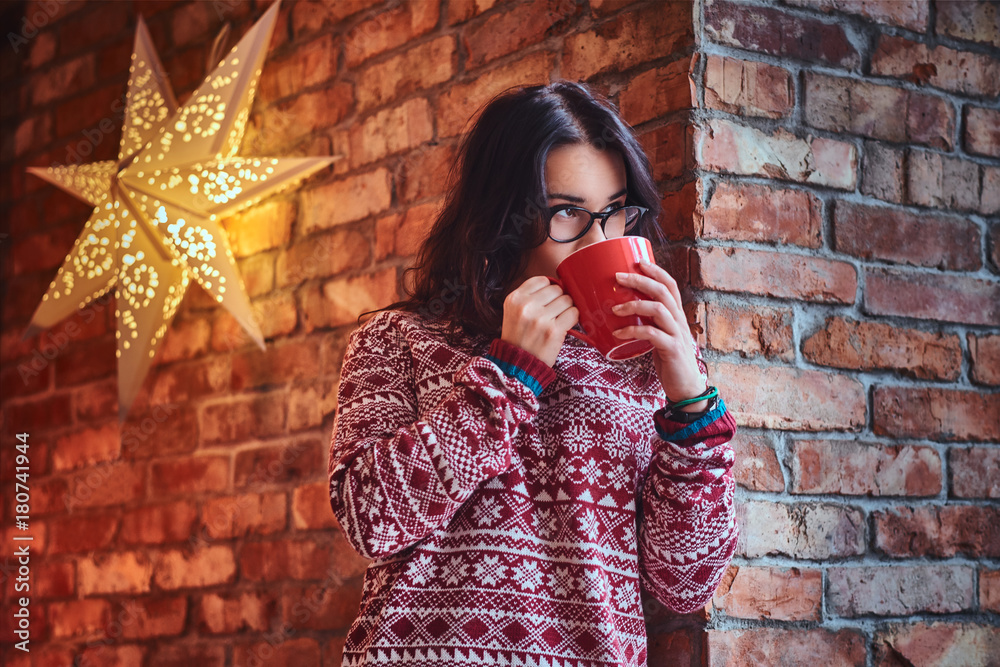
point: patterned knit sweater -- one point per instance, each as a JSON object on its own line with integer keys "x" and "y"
{"x": 500, "y": 499}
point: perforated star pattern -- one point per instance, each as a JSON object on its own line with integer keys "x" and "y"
{"x": 155, "y": 225}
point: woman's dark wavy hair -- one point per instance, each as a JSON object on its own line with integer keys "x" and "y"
{"x": 496, "y": 210}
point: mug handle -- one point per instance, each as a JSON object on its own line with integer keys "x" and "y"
{"x": 572, "y": 332}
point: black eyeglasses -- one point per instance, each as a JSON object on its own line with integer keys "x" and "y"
{"x": 569, "y": 223}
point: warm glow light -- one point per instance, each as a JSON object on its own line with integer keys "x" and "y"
{"x": 155, "y": 225}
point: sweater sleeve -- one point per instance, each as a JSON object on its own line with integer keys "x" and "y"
{"x": 689, "y": 532}
{"x": 397, "y": 472}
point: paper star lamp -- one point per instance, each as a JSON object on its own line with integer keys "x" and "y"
{"x": 155, "y": 225}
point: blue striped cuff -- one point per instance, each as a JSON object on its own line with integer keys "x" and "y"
{"x": 518, "y": 373}
{"x": 691, "y": 429}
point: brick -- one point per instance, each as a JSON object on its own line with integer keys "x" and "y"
{"x": 323, "y": 255}
{"x": 86, "y": 360}
{"x": 514, "y": 30}
{"x": 870, "y": 346}
{"x": 246, "y": 514}
{"x": 345, "y": 200}
{"x": 939, "y": 181}
{"x": 31, "y": 132}
{"x": 899, "y": 591}
{"x": 244, "y": 418}
{"x": 989, "y": 590}
{"x": 104, "y": 486}
{"x": 628, "y": 39}
{"x": 261, "y": 227}
{"x": 146, "y": 618}
{"x": 180, "y": 654}
{"x": 656, "y": 92}
{"x": 277, "y": 314}
{"x": 310, "y": 64}
{"x": 881, "y": 112}
{"x": 853, "y": 468}
{"x": 185, "y": 339}
{"x": 727, "y": 147}
{"x": 749, "y": 212}
{"x": 257, "y": 272}
{"x": 912, "y": 14}
{"x": 77, "y": 534}
{"x": 461, "y": 100}
{"x": 389, "y": 29}
{"x": 750, "y": 331}
{"x": 895, "y": 235}
{"x": 989, "y": 201}
{"x": 291, "y": 360}
{"x": 938, "y": 531}
{"x": 777, "y": 593}
{"x": 789, "y": 648}
{"x": 972, "y": 21}
{"x": 311, "y": 508}
{"x": 340, "y": 301}
{"x": 86, "y": 447}
{"x": 297, "y": 119}
{"x": 49, "y": 495}
{"x": 391, "y": 131}
{"x": 460, "y": 12}
{"x": 63, "y": 80}
{"x": 982, "y": 131}
{"x": 930, "y": 296}
{"x": 190, "y": 475}
{"x": 937, "y": 414}
{"x": 288, "y": 653}
{"x": 993, "y": 245}
{"x": 669, "y": 150}
{"x": 975, "y": 472}
{"x": 56, "y": 580}
{"x": 180, "y": 383}
{"x": 39, "y": 415}
{"x": 127, "y": 572}
{"x": 402, "y": 238}
{"x": 158, "y": 524}
{"x": 310, "y": 405}
{"x": 956, "y": 71}
{"x": 43, "y": 49}
{"x": 936, "y": 644}
{"x": 264, "y": 466}
{"x": 760, "y": 397}
{"x": 209, "y": 566}
{"x": 757, "y": 466}
{"x": 330, "y": 606}
{"x": 284, "y": 559}
{"x": 774, "y": 274}
{"x": 310, "y": 17}
{"x": 425, "y": 172}
{"x": 78, "y": 618}
{"x": 748, "y": 88}
{"x": 236, "y": 613}
{"x": 813, "y": 531}
{"x": 415, "y": 69}
{"x": 772, "y": 31}
{"x": 43, "y": 251}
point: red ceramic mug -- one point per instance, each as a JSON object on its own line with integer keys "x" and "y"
{"x": 588, "y": 276}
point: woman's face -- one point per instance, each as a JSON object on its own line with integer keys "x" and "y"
{"x": 580, "y": 175}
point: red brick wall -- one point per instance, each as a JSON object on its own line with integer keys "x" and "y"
{"x": 833, "y": 192}
{"x": 846, "y": 242}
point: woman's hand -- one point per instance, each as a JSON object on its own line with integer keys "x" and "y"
{"x": 670, "y": 335}
{"x": 536, "y": 317}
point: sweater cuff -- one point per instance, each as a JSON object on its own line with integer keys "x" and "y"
{"x": 676, "y": 431}
{"x": 522, "y": 365}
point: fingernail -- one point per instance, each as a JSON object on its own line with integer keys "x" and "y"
{"x": 617, "y": 308}
{"x": 621, "y": 275}
{"x": 617, "y": 333}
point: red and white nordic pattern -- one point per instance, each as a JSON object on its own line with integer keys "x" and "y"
{"x": 503, "y": 526}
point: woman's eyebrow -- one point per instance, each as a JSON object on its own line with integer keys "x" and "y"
{"x": 580, "y": 200}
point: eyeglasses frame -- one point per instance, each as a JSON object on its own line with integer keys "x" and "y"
{"x": 593, "y": 216}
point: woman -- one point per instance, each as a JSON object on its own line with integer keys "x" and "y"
{"x": 511, "y": 485}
